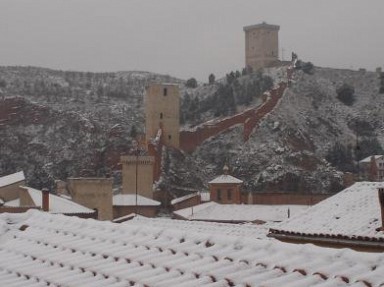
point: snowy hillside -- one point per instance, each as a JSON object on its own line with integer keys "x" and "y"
{"x": 55, "y": 124}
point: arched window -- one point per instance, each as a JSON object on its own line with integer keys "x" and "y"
{"x": 161, "y": 115}
{"x": 165, "y": 91}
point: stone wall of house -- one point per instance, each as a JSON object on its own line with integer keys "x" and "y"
{"x": 287, "y": 198}
{"x": 11, "y": 192}
{"x": 192, "y": 201}
{"x": 94, "y": 193}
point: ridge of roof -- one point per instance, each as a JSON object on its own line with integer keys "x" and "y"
{"x": 226, "y": 178}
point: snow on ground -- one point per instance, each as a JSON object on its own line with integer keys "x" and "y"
{"x": 40, "y": 249}
{"x": 212, "y": 211}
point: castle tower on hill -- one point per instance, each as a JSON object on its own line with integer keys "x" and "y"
{"x": 261, "y": 45}
{"x": 162, "y": 112}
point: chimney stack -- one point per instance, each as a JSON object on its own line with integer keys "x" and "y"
{"x": 381, "y": 200}
{"x": 45, "y": 199}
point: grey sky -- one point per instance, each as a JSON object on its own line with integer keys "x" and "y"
{"x": 185, "y": 38}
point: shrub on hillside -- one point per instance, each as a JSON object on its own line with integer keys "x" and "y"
{"x": 306, "y": 67}
{"x": 341, "y": 157}
{"x": 346, "y": 94}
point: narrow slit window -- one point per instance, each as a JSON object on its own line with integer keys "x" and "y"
{"x": 161, "y": 115}
{"x": 165, "y": 91}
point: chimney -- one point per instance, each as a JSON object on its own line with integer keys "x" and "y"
{"x": 381, "y": 200}
{"x": 226, "y": 169}
{"x": 45, "y": 199}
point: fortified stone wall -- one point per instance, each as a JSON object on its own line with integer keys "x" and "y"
{"x": 190, "y": 140}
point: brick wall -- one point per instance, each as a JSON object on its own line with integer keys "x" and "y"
{"x": 192, "y": 201}
{"x": 287, "y": 198}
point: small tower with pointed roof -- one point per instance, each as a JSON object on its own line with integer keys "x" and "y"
{"x": 225, "y": 188}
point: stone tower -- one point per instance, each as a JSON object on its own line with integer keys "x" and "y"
{"x": 162, "y": 111}
{"x": 261, "y": 45}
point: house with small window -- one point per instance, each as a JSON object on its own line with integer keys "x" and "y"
{"x": 372, "y": 168}
{"x": 225, "y": 188}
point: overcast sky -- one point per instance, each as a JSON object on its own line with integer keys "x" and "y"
{"x": 185, "y": 38}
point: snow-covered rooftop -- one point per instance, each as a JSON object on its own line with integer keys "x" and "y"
{"x": 368, "y": 159}
{"x": 248, "y": 230}
{"x": 213, "y": 211}
{"x": 130, "y": 200}
{"x": 41, "y": 249}
{"x": 12, "y": 178}
{"x": 226, "y": 178}
{"x": 57, "y": 204}
{"x": 355, "y": 211}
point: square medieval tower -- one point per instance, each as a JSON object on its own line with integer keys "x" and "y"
{"x": 261, "y": 45}
{"x": 162, "y": 112}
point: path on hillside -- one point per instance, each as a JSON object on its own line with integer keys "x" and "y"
{"x": 191, "y": 139}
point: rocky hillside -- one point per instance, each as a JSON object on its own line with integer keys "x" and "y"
{"x": 55, "y": 124}
{"x": 326, "y": 121}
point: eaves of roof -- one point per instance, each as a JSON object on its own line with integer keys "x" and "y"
{"x": 335, "y": 239}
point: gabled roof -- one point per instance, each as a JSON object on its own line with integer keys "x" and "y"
{"x": 41, "y": 249}
{"x": 368, "y": 159}
{"x": 213, "y": 211}
{"x": 57, "y": 204}
{"x": 353, "y": 213}
{"x": 226, "y": 178}
{"x": 130, "y": 200}
{"x": 12, "y": 178}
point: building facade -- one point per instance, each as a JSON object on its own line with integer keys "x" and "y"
{"x": 94, "y": 193}
{"x": 261, "y": 45}
{"x": 372, "y": 168}
{"x": 225, "y": 188}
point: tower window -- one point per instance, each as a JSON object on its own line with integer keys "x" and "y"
{"x": 165, "y": 91}
{"x": 169, "y": 137}
{"x": 161, "y": 115}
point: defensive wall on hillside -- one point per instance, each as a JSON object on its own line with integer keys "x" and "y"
{"x": 191, "y": 139}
